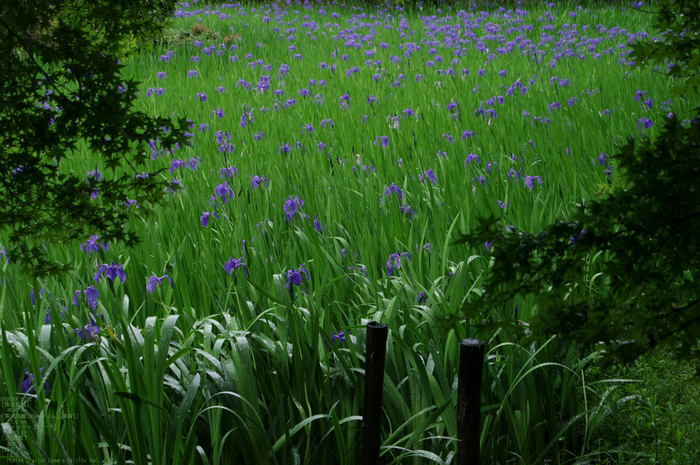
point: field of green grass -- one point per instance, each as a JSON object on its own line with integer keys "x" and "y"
{"x": 336, "y": 152}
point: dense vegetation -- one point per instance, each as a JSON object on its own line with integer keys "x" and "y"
{"x": 233, "y": 334}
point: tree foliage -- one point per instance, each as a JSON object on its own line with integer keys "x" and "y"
{"x": 638, "y": 237}
{"x": 61, "y": 96}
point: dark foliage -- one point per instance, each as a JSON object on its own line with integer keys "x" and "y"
{"x": 61, "y": 90}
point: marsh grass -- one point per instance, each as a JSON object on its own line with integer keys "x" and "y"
{"x": 237, "y": 368}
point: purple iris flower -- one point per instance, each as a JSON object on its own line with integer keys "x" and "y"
{"x": 27, "y": 385}
{"x": 111, "y": 271}
{"x": 229, "y": 172}
{"x": 284, "y": 147}
{"x": 234, "y": 263}
{"x": 205, "y": 218}
{"x": 89, "y": 332}
{"x": 92, "y": 296}
{"x": 396, "y": 257}
{"x": 257, "y": 180}
{"x": 193, "y": 73}
{"x": 167, "y": 56}
{"x": 340, "y": 337}
{"x": 307, "y": 127}
{"x": 574, "y": 239}
{"x": 407, "y": 209}
{"x": 317, "y": 224}
{"x": 292, "y": 206}
{"x": 246, "y": 118}
{"x": 530, "y": 181}
{"x": 393, "y": 121}
{"x": 201, "y": 96}
{"x": 394, "y": 188}
{"x": 153, "y": 280}
{"x": 227, "y": 147}
{"x": 646, "y": 122}
{"x": 223, "y": 190}
{"x": 384, "y": 139}
{"x": 430, "y": 175}
{"x": 174, "y": 183}
{"x": 192, "y": 163}
{"x": 95, "y": 174}
{"x": 470, "y": 158}
{"x": 422, "y": 297}
{"x": 218, "y": 112}
{"x": 294, "y": 276}
{"x": 177, "y": 164}
{"x": 371, "y": 99}
{"x": 603, "y": 157}
{"x": 554, "y": 105}
{"x": 92, "y": 245}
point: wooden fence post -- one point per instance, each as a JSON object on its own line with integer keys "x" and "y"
{"x": 471, "y": 363}
{"x": 374, "y": 390}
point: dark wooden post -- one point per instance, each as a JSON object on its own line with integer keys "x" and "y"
{"x": 374, "y": 390}
{"x": 471, "y": 363}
